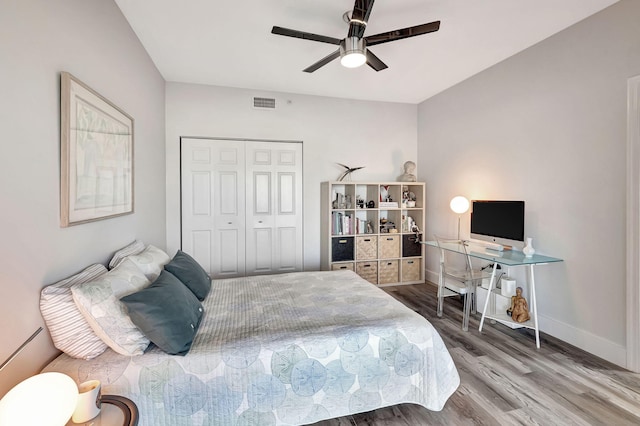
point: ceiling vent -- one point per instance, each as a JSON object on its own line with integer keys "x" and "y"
{"x": 264, "y": 103}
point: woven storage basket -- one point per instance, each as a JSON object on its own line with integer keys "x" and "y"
{"x": 411, "y": 269}
{"x": 342, "y": 266}
{"x": 366, "y": 248}
{"x": 389, "y": 246}
{"x": 388, "y": 271}
{"x": 368, "y": 271}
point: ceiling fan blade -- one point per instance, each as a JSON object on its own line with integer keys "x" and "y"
{"x": 360, "y": 17}
{"x": 322, "y": 62}
{"x": 305, "y": 36}
{"x": 374, "y": 62}
{"x": 403, "y": 33}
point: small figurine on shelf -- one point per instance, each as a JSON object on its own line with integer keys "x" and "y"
{"x": 409, "y": 172}
{"x": 371, "y": 204}
{"x": 348, "y": 171}
{"x": 369, "y": 227}
{"x": 408, "y": 198}
{"x": 519, "y": 309}
{"x": 359, "y": 202}
{"x": 384, "y": 193}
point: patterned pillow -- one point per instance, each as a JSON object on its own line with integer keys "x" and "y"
{"x": 69, "y": 330}
{"x": 133, "y": 248}
{"x": 99, "y": 302}
{"x": 150, "y": 261}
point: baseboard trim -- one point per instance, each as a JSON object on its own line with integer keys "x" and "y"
{"x": 584, "y": 340}
{"x": 577, "y": 337}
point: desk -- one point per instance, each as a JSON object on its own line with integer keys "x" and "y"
{"x": 506, "y": 258}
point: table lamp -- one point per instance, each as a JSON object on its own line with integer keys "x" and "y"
{"x": 47, "y": 399}
{"x": 459, "y": 205}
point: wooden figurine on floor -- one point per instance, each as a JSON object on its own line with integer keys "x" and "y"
{"x": 519, "y": 309}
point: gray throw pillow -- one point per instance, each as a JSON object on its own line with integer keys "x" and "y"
{"x": 167, "y": 313}
{"x": 187, "y": 270}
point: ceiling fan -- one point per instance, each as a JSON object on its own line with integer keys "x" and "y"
{"x": 353, "y": 50}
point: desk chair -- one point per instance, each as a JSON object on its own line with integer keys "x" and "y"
{"x": 458, "y": 282}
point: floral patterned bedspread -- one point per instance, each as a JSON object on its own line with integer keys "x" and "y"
{"x": 282, "y": 350}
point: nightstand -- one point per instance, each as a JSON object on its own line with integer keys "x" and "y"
{"x": 115, "y": 411}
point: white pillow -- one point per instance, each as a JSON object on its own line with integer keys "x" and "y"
{"x": 69, "y": 330}
{"x": 150, "y": 261}
{"x": 99, "y": 302}
{"x": 133, "y": 248}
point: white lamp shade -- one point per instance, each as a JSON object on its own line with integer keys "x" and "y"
{"x": 459, "y": 204}
{"x": 47, "y": 399}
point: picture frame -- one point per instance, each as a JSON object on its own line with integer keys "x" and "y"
{"x": 96, "y": 155}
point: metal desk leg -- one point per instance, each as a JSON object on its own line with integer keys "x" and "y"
{"x": 486, "y": 301}
{"x": 534, "y": 306}
{"x": 440, "y": 290}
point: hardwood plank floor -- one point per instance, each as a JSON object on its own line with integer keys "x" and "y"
{"x": 505, "y": 380}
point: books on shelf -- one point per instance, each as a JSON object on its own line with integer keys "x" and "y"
{"x": 342, "y": 223}
{"x": 388, "y": 204}
{"x": 347, "y": 224}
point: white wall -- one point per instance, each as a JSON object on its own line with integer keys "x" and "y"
{"x": 548, "y": 126}
{"x": 92, "y": 40}
{"x": 379, "y": 136}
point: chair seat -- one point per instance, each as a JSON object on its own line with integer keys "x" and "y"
{"x": 458, "y": 282}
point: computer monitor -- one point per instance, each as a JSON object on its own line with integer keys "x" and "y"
{"x": 498, "y": 222}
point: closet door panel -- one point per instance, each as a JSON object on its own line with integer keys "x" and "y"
{"x": 245, "y": 199}
{"x": 213, "y": 180}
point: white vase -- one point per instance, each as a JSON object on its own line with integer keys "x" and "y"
{"x": 528, "y": 250}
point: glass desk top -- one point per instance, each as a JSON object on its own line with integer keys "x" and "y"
{"x": 506, "y": 257}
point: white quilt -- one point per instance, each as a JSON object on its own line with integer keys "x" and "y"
{"x": 281, "y": 350}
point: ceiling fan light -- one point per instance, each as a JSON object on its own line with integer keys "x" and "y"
{"x": 352, "y": 52}
{"x": 353, "y": 59}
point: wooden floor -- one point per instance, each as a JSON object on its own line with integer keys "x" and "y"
{"x": 505, "y": 380}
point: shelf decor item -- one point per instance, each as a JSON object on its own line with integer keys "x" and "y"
{"x": 96, "y": 155}
{"x": 528, "y": 250}
{"x": 347, "y": 172}
{"x": 409, "y": 172}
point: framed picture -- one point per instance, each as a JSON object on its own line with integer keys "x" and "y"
{"x": 96, "y": 156}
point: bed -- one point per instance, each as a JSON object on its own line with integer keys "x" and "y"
{"x": 283, "y": 349}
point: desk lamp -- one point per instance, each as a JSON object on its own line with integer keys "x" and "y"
{"x": 47, "y": 399}
{"x": 459, "y": 205}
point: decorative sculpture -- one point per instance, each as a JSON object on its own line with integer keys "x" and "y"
{"x": 519, "y": 309}
{"x": 348, "y": 171}
{"x": 409, "y": 172}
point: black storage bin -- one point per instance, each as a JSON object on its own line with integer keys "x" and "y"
{"x": 341, "y": 249}
{"x": 411, "y": 245}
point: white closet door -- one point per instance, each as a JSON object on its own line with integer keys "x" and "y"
{"x": 213, "y": 205}
{"x": 242, "y": 206}
{"x": 274, "y": 207}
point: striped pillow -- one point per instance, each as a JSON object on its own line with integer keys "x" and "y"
{"x": 133, "y": 248}
{"x": 69, "y": 330}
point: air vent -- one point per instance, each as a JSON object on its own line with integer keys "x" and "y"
{"x": 264, "y": 103}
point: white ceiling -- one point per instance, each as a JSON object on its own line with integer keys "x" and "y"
{"x": 229, "y": 43}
